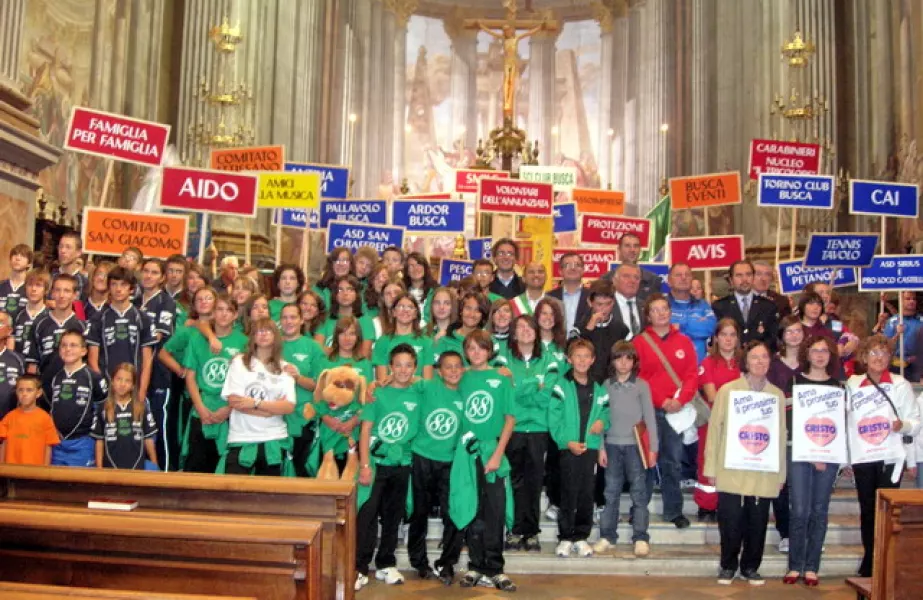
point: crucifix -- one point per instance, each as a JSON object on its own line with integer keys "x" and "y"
{"x": 505, "y": 31}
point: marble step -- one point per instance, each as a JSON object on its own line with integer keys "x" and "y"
{"x": 664, "y": 560}
{"x": 841, "y": 529}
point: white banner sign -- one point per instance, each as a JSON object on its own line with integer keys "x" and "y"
{"x": 869, "y": 426}
{"x": 819, "y": 424}
{"x": 753, "y": 432}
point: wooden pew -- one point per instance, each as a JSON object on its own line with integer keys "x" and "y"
{"x": 896, "y": 574}
{"x": 332, "y": 504}
{"x": 32, "y": 591}
{"x": 227, "y": 555}
{"x": 862, "y": 586}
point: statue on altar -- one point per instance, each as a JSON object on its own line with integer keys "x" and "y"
{"x": 510, "y": 40}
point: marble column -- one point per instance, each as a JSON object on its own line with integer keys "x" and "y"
{"x": 700, "y": 158}
{"x": 613, "y": 81}
{"x": 399, "y": 119}
{"x": 11, "y": 19}
{"x": 541, "y": 93}
{"x": 463, "y": 73}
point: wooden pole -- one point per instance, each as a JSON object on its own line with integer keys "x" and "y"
{"x": 778, "y": 235}
{"x": 278, "y": 237}
{"x": 203, "y": 230}
{"x": 884, "y": 250}
{"x": 707, "y": 273}
{"x": 248, "y": 226}
{"x": 791, "y": 248}
{"x": 107, "y": 183}
{"x": 900, "y": 311}
{"x": 305, "y": 248}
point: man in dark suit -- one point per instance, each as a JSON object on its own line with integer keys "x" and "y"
{"x": 763, "y": 274}
{"x": 629, "y": 253}
{"x": 572, "y": 294}
{"x": 757, "y": 316}
{"x": 506, "y": 283}
{"x": 629, "y": 307}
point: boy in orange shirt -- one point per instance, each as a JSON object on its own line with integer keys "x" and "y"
{"x": 27, "y": 432}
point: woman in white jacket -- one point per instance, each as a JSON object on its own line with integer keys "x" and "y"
{"x": 874, "y": 357}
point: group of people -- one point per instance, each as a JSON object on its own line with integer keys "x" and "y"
{"x": 487, "y": 393}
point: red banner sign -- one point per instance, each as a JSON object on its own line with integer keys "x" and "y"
{"x": 516, "y": 197}
{"x": 595, "y": 261}
{"x": 607, "y": 229}
{"x": 116, "y": 136}
{"x": 771, "y": 156}
{"x": 207, "y": 191}
{"x": 466, "y": 180}
{"x": 706, "y": 253}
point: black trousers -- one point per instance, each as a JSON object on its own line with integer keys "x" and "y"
{"x": 526, "y": 453}
{"x": 484, "y": 534}
{"x": 578, "y": 482}
{"x": 203, "y": 453}
{"x": 552, "y": 476}
{"x": 301, "y": 448}
{"x": 173, "y": 413}
{"x": 387, "y": 503}
{"x": 429, "y": 481}
{"x": 232, "y": 465}
{"x": 780, "y": 509}
{"x": 870, "y": 477}
{"x": 742, "y": 522}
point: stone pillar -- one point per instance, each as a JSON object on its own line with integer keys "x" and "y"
{"x": 541, "y": 92}
{"x": 402, "y": 10}
{"x": 701, "y": 91}
{"x": 11, "y": 18}
{"x": 463, "y": 81}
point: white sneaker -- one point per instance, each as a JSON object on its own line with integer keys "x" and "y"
{"x": 603, "y": 545}
{"x": 642, "y": 549}
{"x": 583, "y": 549}
{"x": 597, "y": 514}
{"x": 389, "y": 575}
{"x": 564, "y": 549}
{"x": 361, "y": 581}
{"x": 552, "y": 513}
{"x": 783, "y": 545}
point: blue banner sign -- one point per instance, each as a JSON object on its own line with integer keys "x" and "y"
{"x": 883, "y": 198}
{"x": 479, "y": 248}
{"x": 797, "y": 191}
{"x": 361, "y": 211}
{"x": 893, "y": 274}
{"x": 841, "y": 249}
{"x": 659, "y": 269}
{"x": 565, "y": 217}
{"x": 793, "y": 276}
{"x": 349, "y": 234}
{"x": 439, "y": 217}
{"x": 334, "y": 180}
{"x": 451, "y": 269}
{"x": 294, "y": 217}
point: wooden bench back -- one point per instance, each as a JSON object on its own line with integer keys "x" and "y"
{"x": 332, "y": 504}
{"x": 34, "y": 591}
{"x": 898, "y": 545}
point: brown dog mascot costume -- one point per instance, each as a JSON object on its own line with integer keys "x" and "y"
{"x": 338, "y": 387}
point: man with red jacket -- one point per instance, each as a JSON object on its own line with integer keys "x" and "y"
{"x": 665, "y": 355}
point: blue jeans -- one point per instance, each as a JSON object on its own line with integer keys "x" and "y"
{"x": 809, "y": 493}
{"x": 669, "y": 462}
{"x": 625, "y": 465}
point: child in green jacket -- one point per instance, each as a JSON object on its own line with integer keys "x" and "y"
{"x": 577, "y": 417}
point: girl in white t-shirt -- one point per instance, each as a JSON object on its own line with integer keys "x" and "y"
{"x": 259, "y": 392}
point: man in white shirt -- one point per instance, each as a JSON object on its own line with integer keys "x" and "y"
{"x": 572, "y": 293}
{"x": 536, "y": 276}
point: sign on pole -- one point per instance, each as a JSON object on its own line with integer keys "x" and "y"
{"x": 429, "y": 217}
{"x": 772, "y": 156}
{"x": 565, "y": 217}
{"x": 361, "y": 211}
{"x": 606, "y": 229}
{"x": 707, "y": 253}
{"x": 796, "y": 191}
{"x": 479, "y": 248}
{"x": 601, "y": 202}
{"x": 352, "y": 235}
{"x": 515, "y": 197}
{"x": 281, "y": 189}
{"x": 109, "y": 231}
{"x": 334, "y": 179}
{"x": 451, "y": 269}
{"x": 700, "y": 191}
{"x": 251, "y": 158}
{"x": 840, "y": 249}
{"x": 208, "y": 191}
{"x": 595, "y": 261}
{"x": 466, "y": 180}
{"x": 561, "y": 178}
{"x": 892, "y": 274}
{"x": 884, "y": 198}
{"x": 793, "y": 276}
{"x": 116, "y": 136}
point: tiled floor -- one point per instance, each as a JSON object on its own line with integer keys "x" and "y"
{"x": 574, "y": 587}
